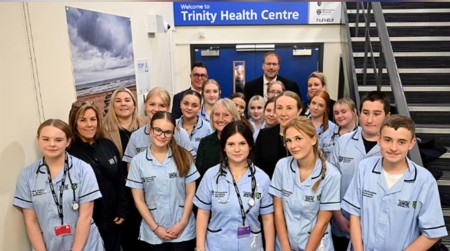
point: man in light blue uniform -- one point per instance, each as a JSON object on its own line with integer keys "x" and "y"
{"x": 158, "y": 180}
{"x": 392, "y": 219}
{"x": 353, "y": 147}
{"x": 33, "y": 192}
{"x": 301, "y": 204}
{"x": 200, "y": 130}
{"x": 217, "y": 194}
{"x": 140, "y": 140}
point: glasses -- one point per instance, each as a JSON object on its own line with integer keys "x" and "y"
{"x": 79, "y": 103}
{"x": 200, "y": 75}
{"x": 158, "y": 132}
{"x": 273, "y": 92}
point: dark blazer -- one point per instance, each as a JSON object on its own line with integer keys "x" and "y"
{"x": 208, "y": 153}
{"x": 269, "y": 148}
{"x": 176, "y": 110}
{"x": 256, "y": 87}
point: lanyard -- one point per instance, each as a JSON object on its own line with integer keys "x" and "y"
{"x": 59, "y": 203}
{"x": 244, "y": 213}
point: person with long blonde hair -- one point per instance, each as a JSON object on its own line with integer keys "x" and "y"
{"x": 306, "y": 191}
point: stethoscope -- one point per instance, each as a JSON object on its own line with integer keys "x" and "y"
{"x": 223, "y": 173}
{"x": 75, "y": 204}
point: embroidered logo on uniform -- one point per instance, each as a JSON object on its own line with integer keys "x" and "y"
{"x": 318, "y": 197}
{"x": 369, "y": 194}
{"x": 257, "y": 195}
{"x": 218, "y": 194}
{"x": 247, "y": 194}
{"x": 113, "y": 160}
{"x": 140, "y": 149}
{"x": 74, "y": 186}
{"x": 414, "y": 204}
{"x": 286, "y": 193}
{"x": 403, "y": 203}
{"x": 309, "y": 198}
{"x": 66, "y": 187}
{"x": 38, "y": 192}
{"x": 173, "y": 175}
{"x": 345, "y": 159}
{"x": 149, "y": 179}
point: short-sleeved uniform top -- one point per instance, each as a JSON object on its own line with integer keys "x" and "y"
{"x": 165, "y": 193}
{"x": 329, "y": 143}
{"x": 325, "y": 138}
{"x": 33, "y": 192}
{"x": 200, "y": 130}
{"x": 347, "y": 153}
{"x": 140, "y": 140}
{"x": 391, "y": 219}
{"x": 217, "y": 194}
{"x": 301, "y": 204}
{"x": 204, "y": 115}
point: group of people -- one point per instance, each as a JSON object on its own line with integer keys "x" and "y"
{"x": 215, "y": 173}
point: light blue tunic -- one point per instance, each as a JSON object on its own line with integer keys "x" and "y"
{"x": 347, "y": 154}
{"x": 325, "y": 137}
{"x": 165, "y": 193}
{"x": 217, "y": 194}
{"x": 392, "y": 219}
{"x": 140, "y": 140}
{"x": 329, "y": 143}
{"x": 301, "y": 204}
{"x": 200, "y": 130}
{"x": 204, "y": 115}
{"x": 33, "y": 192}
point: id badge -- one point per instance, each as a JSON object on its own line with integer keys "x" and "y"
{"x": 63, "y": 230}
{"x": 243, "y": 231}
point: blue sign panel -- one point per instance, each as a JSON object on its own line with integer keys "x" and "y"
{"x": 239, "y": 13}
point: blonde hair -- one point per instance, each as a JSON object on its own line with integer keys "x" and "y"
{"x": 111, "y": 122}
{"x": 61, "y": 125}
{"x": 160, "y": 92}
{"x": 320, "y": 76}
{"x": 304, "y": 125}
{"x": 257, "y": 98}
{"x": 351, "y": 106}
{"x": 277, "y": 82}
{"x": 210, "y": 81}
{"x": 229, "y": 106}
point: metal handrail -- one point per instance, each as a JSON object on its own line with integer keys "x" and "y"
{"x": 386, "y": 59}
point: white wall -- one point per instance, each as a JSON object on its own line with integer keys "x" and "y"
{"x": 36, "y": 79}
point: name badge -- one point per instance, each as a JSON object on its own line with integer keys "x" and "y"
{"x": 243, "y": 231}
{"x": 63, "y": 230}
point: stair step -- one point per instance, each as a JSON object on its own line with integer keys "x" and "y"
{"x": 405, "y": 31}
{"x": 404, "y": 11}
{"x": 432, "y": 129}
{"x": 403, "y": 24}
{"x": 411, "y": 45}
{"x": 409, "y": 70}
{"x": 435, "y": 79}
{"x": 407, "y": 54}
{"x": 406, "y": 5}
{"x": 412, "y": 63}
{"x": 429, "y": 108}
{"x": 404, "y": 39}
{"x": 407, "y": 88}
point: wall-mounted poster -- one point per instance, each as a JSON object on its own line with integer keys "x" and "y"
{"x": 238, "y": 76}
{"x": 102, "y": 54}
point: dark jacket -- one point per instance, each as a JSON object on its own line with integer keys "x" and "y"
{"x": 256, "y": 87}
{"x": 104, "y": 159}
{"x": 176, "y": 110}
{"x": 269, "y": 148}
{"x": 208, "y": 153}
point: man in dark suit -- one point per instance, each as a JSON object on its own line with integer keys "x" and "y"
{"x": 199, "y": 73}
{"x": 270, "y": 66}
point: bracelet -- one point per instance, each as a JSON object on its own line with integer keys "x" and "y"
{"x": 155, "y": 228}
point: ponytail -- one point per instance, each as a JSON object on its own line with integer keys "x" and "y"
{"x": 324, "y": 170}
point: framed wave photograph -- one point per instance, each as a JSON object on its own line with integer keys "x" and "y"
{"x": 238, "y": 76}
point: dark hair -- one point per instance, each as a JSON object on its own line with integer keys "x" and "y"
{"x": 377, "y": 96}
{"x": 79, "y": 109}
{"x": 238, "y": 95}
{"x": 271, "y": 53}
{"x": 194, "y": 93}
{"x": 270, "y": 100}
{"x": 399, "y": 121}
{"x": 198, "y": 64}
{"x": 182, "y": 157}
{"x": 231, "y": 129}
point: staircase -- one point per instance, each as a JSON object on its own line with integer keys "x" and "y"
{"x": 420, "y": 39}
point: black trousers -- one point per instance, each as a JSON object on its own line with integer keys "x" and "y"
{"x": 170, "y": 246}
{"x": 340, "y": 243}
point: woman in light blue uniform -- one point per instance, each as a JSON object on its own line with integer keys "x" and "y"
{"x": 234, "y": 193}
{"x": 162, "y": 179}
{"x": 211, "y": 94}
{"x": 346, "y": 119}
{"x": 319, "y": 107}
{"x": 196, "y": 127}
{"x": 306, "y": 191}
{"x": 58, "y": 220}
{"x": 158, "y": 99}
